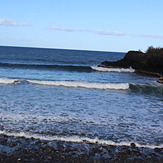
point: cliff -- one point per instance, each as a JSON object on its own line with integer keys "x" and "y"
{"x": 149, "y": 63}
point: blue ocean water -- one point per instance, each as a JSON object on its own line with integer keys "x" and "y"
{"x": 56, "y": 94}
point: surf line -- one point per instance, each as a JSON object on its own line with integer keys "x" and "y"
{"x": 102, "y": 69}
{"x": 89, "y": 85}
{"x": 76, "y": 139}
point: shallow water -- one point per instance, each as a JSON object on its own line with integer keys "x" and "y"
{"x": 71, "y": 100}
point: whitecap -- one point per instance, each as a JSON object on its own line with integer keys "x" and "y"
{"x": 8, "y": 81}
{"x": 102, "y": 69}
{"x": 76, "y": 139}
{"x": 89, "y": 85}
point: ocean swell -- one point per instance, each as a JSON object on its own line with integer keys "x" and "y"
{"x": 62, "y": 67}
{"x": 146, "y": 89}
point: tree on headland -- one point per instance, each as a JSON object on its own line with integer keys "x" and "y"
{"x": 152, "y": 50}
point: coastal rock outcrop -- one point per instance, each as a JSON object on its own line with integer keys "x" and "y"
{"x": 160, "y": 80}
{"x": 149, "y": 63}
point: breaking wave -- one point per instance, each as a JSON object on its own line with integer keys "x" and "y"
{"x": 79, "y": 68}
{"x": 102, "y": 69}
{"x": 8, "y": 81}
{"x": 138, "y": 88}
{"x": 76, "y": 139}
{"x": 76, "y": 84}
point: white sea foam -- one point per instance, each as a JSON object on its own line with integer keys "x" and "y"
{"x": 76, "y": 139}
{"x": 8, "y": 81}
{"x": 113, "y": 69}
{"x": 75, "y": 84}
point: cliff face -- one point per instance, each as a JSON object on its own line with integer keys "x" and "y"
{"x": 144, "y": 61}
{"x": 150, "y": 64}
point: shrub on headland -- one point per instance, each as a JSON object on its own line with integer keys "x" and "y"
{"x": 152, "y": 50}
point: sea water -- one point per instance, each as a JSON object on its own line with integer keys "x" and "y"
{"x": 55, "y": 94}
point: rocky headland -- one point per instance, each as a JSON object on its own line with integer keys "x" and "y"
{"x": 148, "y": 63}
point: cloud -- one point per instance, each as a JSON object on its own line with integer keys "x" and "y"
{"x": 106, "y": 32}
{"x": 96, "y": 31}
{"x": 8, "y": 22}
{"x": 63, "y": 29}
{"x": 152, "y": 36}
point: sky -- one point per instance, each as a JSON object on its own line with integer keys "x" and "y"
{"x": 102, "y": 25}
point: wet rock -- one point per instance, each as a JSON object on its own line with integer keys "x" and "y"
{"x": 123, "y": 154}
{"x": 49, "y": 149}
{"x": 3, "y": 141}
{"x": 96, "y": 150}
{"x": 135, "y": 153}
{"x": 19, "y": 159}
{"x": 49, "y": 157}
{"x": 133, "y": 145}
{"x": 30, "y": 151}
{"x": 12, "y": 144}
{"x": 38, "y": 142}
{"x": 153, "y": 155}
{"x": 60, "y": 147}
{"x": 160, "y": 80}
{"x": 158, "y": 150}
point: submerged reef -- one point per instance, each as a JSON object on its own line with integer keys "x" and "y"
{"x": 149, "y": 62}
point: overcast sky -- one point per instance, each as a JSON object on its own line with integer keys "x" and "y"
{"x": 103, "y": 25}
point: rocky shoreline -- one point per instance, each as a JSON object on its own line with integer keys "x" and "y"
{"x": 149, "y": 63}
{"x": 21, "y": 149}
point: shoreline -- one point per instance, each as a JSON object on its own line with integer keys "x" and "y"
{"x": 21, "y": 149}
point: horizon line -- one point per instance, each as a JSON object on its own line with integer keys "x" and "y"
{"x": 35, "y": 47}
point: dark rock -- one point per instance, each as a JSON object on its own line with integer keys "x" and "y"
{"x": 160, "y": 80}
{"x": 149, "y": 64}
{"x": 49, "y": 149}
{"x": 60, "y": 147}
{"x": 4, "y": 139}
{"x": 96, "y": 150}
{"x": 158, "y": 150}
{"x": 133, "y": 145}
{"x": 29, "y": 151}
{"x": 123, "y": 154}
{"x": 136, "y": 153}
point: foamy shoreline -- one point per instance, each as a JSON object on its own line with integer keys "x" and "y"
{"x": 35, "y": 150}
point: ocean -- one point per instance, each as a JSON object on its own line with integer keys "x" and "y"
{"x": 55, "y": 94}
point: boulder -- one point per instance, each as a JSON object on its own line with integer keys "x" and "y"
{"x": 160, "y": 80}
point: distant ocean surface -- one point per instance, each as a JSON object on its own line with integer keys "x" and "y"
{"x": 55, "y": 94}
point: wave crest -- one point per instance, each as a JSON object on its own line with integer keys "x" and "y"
{"x": 75, "y": 84}
{"x": 8, "y": 81}
{"x": 76, "y": 139}
{"x": 102, "y": 69}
